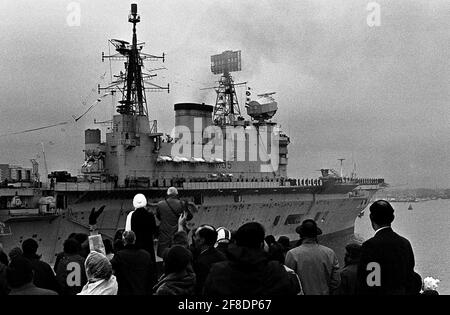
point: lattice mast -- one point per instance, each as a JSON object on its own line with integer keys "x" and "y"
{"x": 132, "y": 83}
{"x": 226, "y": 109}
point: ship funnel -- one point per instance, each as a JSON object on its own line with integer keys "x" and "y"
{"x": 196, "y": 117}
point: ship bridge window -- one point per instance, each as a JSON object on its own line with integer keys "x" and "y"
{"x": 198, "y": 199}
{"x": 293, "y": 219}
{"x": 277, "y": 219}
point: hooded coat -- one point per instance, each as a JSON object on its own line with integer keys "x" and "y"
{"x": 248, "y": 272}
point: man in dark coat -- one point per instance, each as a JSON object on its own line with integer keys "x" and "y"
{"x": 205, "y": 238}
{"x": 43, "y": 273}
{"x": 20, "y": 278}
{"x": 70, "y": 272}
{"x": 387, "y": 259}
{"x": 133, "y": 267}
{"x": 248, "y": 270}
{"x": 178, "y": 278}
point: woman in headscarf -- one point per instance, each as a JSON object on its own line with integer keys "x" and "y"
{"x": 101, "y": 280}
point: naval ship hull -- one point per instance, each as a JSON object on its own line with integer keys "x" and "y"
{"x": 279, "y": 209}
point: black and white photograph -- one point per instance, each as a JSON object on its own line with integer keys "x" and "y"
{"x": 226, "y": 153}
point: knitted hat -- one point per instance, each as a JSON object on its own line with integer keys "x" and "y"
{"x": 172, "y": 191}
{"x": 223, "y": 235}
{"x": 139, "y": 201}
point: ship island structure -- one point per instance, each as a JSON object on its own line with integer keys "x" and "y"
{"x": 232, "y": 168}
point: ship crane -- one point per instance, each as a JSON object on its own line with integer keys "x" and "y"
{"x": 133, "y": 83}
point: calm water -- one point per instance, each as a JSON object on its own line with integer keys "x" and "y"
{"x": 427, "y": 227}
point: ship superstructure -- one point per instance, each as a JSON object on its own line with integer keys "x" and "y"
{"x": 232, "y": 168}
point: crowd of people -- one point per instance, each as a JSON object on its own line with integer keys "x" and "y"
{"x": 214, "y": 261}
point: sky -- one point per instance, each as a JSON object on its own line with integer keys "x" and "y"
{"x": 378, "y": 96}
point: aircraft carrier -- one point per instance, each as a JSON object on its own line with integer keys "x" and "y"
{"x": 232, "y": 166}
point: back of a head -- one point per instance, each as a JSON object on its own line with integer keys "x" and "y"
{"x": 97, "y": 267}
{"x": 139, "y": 201}
{"x": 172, "y": 192}
{"x": 29, "y": 247}
{"x": 81, "y": 238}
{"x": 270, "y": 239}
{"x": 250, "y": 235}
{"x": 15, "y": 252}
{"x": 71, "y": 246}
{"x": 223, "y": 235}
{"x": 176, "y": 259}
{"x": 129, "y": 237}
{"x": 118, "y": 235}
{"x": 284, "y": 241}
{"x": 276, "y": 252}
{"x": 19, "y": 272}
{"x": 208, "y": 233}
{"x": 353, "y": 250}
{"x": 72, "y": 235}
{"x": 381, "y": 212}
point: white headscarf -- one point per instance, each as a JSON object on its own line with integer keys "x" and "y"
{"x": 139, "y": 201}
{"x": 101, "y": 281}
{"x": 101, "y": 287}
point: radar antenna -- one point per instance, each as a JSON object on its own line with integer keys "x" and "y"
{"x": 132, "y": 83}
{"x": 226, "y": 110}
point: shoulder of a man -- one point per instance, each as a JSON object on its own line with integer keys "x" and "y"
{"x": 220, "y": 267}
{"x": 42, "y": 291}
{"x": 294, "y": 252}
{"x": 281, "y": 278}
{"x": 144, "y": 255}
{"x": 327, "y": 250}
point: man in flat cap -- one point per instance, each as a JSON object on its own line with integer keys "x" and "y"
{"x": 316, "y": 265}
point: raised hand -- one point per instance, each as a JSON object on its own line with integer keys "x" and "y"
{"x": 93, "y": 216}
